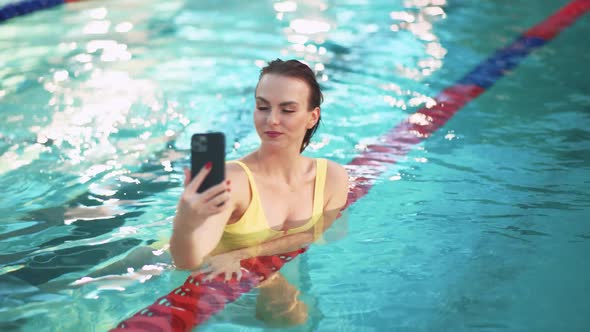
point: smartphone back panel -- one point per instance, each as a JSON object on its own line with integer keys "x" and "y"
{"x": 208, "y": 147}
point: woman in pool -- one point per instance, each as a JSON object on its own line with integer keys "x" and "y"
{"x": 274, "y": 200}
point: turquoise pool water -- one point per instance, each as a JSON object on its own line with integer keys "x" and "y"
{"x": 480, "y": 227}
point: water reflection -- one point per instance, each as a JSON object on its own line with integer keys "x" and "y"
{"x": 309, "y": 27}
{"x": 417, "y": 19}
{"x": 285, "y": 6}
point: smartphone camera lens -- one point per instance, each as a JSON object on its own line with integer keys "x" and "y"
{"x": 199, "y": 144}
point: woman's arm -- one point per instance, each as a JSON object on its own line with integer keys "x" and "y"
{"x": 189, "y": 246}
{"x": 199, "y": 224}
{"x": 337, "y": 189}
{"x": 281, "y": 245}
{"x": 286, "y": 243}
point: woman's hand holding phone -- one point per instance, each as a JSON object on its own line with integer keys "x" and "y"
{"x": 193, "y": 207}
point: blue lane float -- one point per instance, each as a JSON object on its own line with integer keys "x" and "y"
{"x": 21, "y": 8}
{"x": 505, "y": 59}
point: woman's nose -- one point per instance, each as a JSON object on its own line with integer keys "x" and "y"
{"x": 273, "y": 117}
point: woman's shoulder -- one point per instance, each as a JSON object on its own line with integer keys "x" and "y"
{"x": 336, "y": 172}
{"x": 234, "y": 171}
{"x": 336, "y": 185}
{"x": 240, "y": 188}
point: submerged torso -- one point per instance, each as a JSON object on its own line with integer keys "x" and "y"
{"x": 253, "y": 227}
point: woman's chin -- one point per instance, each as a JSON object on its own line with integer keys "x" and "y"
{"x": 267, "y": 143}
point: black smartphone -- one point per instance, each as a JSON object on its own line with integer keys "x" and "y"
{"x": 208, "y": 147}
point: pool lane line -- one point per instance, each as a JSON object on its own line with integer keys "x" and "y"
{"x": 26, "y": 7}
{"x": 196, "y": 300}
{"x": 424, "y": 122}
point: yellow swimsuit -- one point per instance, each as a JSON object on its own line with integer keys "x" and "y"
{"x": 253, "y": 229}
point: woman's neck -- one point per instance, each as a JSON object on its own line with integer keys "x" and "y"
{"x": 283, "y": 165}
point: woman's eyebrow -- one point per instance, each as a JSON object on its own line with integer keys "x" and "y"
{"x": 285, "y": 103}
{"x": 289, "y": 103}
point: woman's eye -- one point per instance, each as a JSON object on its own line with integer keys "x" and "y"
{"x": 262, "y": 108}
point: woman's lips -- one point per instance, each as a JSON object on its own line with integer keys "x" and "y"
{"x": 273, "y": 134}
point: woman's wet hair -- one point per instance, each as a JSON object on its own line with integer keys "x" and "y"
{"x": 299, "y": 70}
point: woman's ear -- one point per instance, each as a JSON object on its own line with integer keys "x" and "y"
{"x": 315, "y": 117}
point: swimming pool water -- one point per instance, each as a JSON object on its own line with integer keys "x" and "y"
{"x": 482, "y": 226}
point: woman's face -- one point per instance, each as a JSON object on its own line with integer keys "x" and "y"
{"x": 282, "y": 114}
